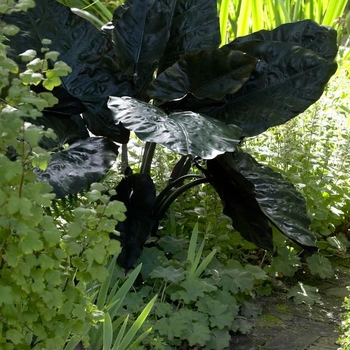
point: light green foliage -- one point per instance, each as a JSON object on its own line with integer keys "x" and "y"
{"x": 200, "y": 298}
{"x": 46, "y": 247}
{"x": 344, "y": 338}
{"x": 239, "y": 17}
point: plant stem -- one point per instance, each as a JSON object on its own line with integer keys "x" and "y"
{"x": 147, "y": 157}
{"x": 165, "y": 204}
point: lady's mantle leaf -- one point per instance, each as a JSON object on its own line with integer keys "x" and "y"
{"x": 304, "y": 294}
{"x": 186, "y": 133}
{"x": 320, "y": 265}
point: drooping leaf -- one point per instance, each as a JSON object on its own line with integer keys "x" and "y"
{"x": 141, "y": 29}
{"x": 186, "y": 133}
{"x": 282, "y": 204}
{"x": 307, "y": 34}
{"x": 81, "y": 164}
{"x": 286, "y": 81}
{"x": 194, "y": 28}
{"x": 208, "y": 74}
{"x": 240, "y": 204}
{"x": 138, "y": 193}
{"x": 88, "y": 51}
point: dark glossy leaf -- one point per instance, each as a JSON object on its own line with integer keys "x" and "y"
{"x": 68, "y": 129}
{"x": 194, "y": 27}
{"x": 186, "y": 133}
{"x": 238, "y": 198}
{"x": 307, "y": 34}
{"x": 208, "y": 74}
{"x": 278, "y": 199}
{"x": 138, "y": 193}
{"x": 141, "y": 31}
{"x": 77, "y": 167}
{"x": 67, "y": 104}
{"x": 88, "y": 51}
{"x": 286, "y": 81}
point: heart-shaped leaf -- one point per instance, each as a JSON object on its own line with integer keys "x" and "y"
{"x": 77, "y": 167}
{"x": 286, "y": 81}
{"x": 208, "y": 74}
{"x": 283, "y": 205}
{"x": 194, "y": 27}
{"x": 186, "y": 133}
{"x": 238, "y": 198}
{"x": 140, "y": 31}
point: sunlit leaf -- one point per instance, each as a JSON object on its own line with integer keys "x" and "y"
{"x": 183, "y": 132}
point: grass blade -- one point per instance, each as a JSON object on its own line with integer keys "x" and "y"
{"x": 243, "y": 23}
{"x": 123, "y": 290}
{"x": 102, "y": 296}
{"x": 223, "y": 20}
{"x": 120, "y": 336}
{"x": 193, "y": 243}
{"x": 136, "y": 325}
{"x": 196, "y": 260}
{"x": 107, "y": 332}
{"x": 141, "y": 337}
{"x": 334, "y": 10}
{"x": 205, "y": 263}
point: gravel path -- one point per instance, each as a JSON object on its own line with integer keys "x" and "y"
{"x": 283, "y": 325}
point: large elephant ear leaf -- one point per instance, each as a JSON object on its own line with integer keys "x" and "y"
{"x": 194, "y": 28}
{"x": 186, "y": 133}
{"x": 140, "y": 32}
{"x": 282, "y": 204}
{"x": 286, "y": 81}
{"x": 77, "y": 167}
{"x": 87, "y": 50}
{"x": 238, "y": 198}
{"x": 138, "y": 193}
{"x": 307, "y": 34}
{"x": 208, "y": 74}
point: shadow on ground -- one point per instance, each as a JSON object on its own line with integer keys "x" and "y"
{"x": 283, "y": 325}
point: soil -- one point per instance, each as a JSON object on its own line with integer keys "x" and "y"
{"x": 283, "y": 325}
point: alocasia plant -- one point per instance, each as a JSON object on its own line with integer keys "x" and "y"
{"x": 156, "y": 69}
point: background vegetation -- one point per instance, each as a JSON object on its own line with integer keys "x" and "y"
{"x": 205, "y": 275}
